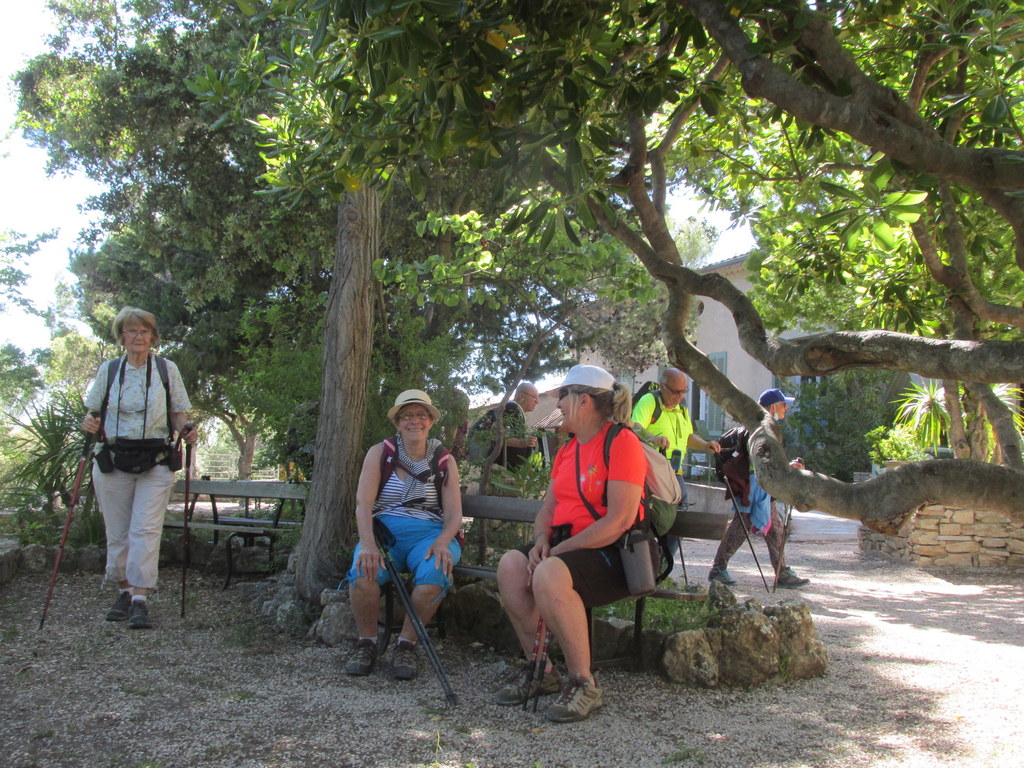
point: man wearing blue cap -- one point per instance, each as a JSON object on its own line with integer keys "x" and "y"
{"x": 755, "y": 510}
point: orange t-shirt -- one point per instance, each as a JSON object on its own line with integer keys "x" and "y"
{"x": 627, "y": 462}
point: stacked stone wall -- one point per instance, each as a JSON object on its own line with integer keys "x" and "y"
{"x": 949, "y": 537}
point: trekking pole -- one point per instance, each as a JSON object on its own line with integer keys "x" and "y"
{"x": 535, "y": 661}
{"x": 186, "y": 518}
{"x": 541, "y": 664}
{"x": 410, "y": 611}
{"x": 782, "y": 547}
{"x": 83, "y": 460}
{"x": 746, "y": 535}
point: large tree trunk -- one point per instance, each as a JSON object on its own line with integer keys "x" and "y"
{"x": 348, "y": 335}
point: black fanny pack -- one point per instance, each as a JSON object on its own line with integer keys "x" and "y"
{"x": 137, "y": 456}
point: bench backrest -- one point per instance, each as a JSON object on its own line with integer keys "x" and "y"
{"x": 246, "y": 489}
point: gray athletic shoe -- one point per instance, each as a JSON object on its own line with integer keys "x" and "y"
{"x": 512, "y": 689}
{"x": 789, "y": 580}
{"x": 138, "y": 615}
{"x": 576, "y": 701}
{"x": 119, "y": 610}
{"x": 722, "y": 575}
{"x": 360, "y": 662}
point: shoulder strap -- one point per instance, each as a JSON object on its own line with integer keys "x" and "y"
{"x": 609, "y": 438}
{"x": 112, "y": 367}
{"x": 388, "y": 457}
{"x": 656, "y": 394}
{"x": 439, "y": 466}
{"x": 161, "y": 367}
{"x": 389, "y": 460}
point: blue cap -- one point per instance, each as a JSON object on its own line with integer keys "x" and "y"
{"x": 772, "y": 396}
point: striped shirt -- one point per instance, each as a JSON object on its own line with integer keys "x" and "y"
{"x": 404, "y": 495}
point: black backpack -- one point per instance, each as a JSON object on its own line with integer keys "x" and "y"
{"x": 734, "y": 449}
{"x": 653, "y": 388}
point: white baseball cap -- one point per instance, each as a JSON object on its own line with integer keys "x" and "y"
{"x": 588, "y": 376}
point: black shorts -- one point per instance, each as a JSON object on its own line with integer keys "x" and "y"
{"x": 597, "y": 574}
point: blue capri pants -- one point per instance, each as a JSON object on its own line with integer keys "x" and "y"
{"x": 412, "y": 538}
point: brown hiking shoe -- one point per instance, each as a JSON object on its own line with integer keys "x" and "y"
{"x": 405, "y": 663}
{"x": 360, "y": 662}
{"x": 512, "y": 688}
{"x": 576, "y": 701}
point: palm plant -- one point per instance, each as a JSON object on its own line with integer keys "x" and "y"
{"x": 924, "y": 414}
{"x": 923, "y": 409}
{"x": 37, "y": 484}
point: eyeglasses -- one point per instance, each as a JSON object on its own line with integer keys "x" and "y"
{"x": 415, "y": 416}
{"x": 137, "y": 332}
{"x": 675, "y": 391}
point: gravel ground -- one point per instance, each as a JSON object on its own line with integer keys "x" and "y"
{"x": 925, "y": 670}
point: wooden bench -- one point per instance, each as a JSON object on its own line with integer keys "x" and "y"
{"x": 689, "y": 524}
{"x": 248, "y": 529}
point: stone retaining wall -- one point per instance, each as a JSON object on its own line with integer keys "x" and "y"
{"x": 960, "y": 538}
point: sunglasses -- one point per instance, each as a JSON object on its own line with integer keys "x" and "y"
{"x": 675, "y": 391}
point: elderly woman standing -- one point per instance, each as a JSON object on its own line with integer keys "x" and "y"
{"x": 574, "y": 563}
{"x": 417, "y": 498}
{"x": 136, "y": 414}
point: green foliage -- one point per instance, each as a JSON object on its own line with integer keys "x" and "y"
{"x": 894, "y": 444}
{"x": 19, "y": 379}
{"x": 827, "y": 432}
{"x": 40, "y": 467}
{"x": 528, "y": 481}
{"x": 667, "y": 616}
{"x": 922, "y": 409}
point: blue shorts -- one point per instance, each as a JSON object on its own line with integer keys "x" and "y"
{"x": 413, "y": 537}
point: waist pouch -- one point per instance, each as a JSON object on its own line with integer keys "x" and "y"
{"x": 137, "y": 456}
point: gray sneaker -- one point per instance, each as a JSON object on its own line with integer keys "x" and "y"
{"x": 576, "y": 701}
{"x": 511, "y": 688}
{"x": 360, "y": 662}
{"x": 789, "y": 580}
{"x": 119, "y": 610}
{"x": 405, "y": 663}
{"x": 138, "y": 615}
{"x": 722, "y": 575}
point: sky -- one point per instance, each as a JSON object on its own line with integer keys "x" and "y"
{"x": 35, "y": 203}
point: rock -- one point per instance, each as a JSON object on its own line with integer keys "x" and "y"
{"x": 10, "y": 559}
{"x": 802, "y": 654}
{"x": 35, "y": 558}
{"x": 329, "y": 596}
{"x": 291, "y": 617}
{"x": 92, "y": 559}
{"x": 253, "y": 592}
{"x": 476, "y": 610}
{"x": 750, "y": 646}
{"x": 336, "y": 624}
{"x": 652, "y": 643}
{"x": 612, "y": 639}
{"x": 688, "y": 658}
{"x": 720, "y": 596}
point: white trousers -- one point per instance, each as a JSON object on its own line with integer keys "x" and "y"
{"x": 133, "y": 508}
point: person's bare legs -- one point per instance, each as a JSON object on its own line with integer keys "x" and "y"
{"x": 364, "y": 595}
{"x": 564, "y": 613}
{"x": 425, "y": 601}
{"x": 517, "y": 597}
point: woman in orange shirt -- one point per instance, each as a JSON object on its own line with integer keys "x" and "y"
{"x": 574, "y": 563}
